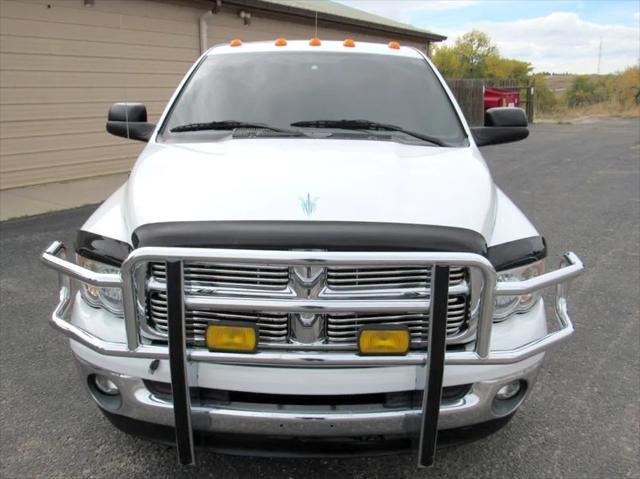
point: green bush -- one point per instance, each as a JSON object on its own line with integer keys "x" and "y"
{"x": 626, "y": 87}
{"x": 586, "y": 90}
{"x": 544, "y": 99}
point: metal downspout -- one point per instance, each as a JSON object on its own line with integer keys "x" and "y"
{"x": 204, "y": 31}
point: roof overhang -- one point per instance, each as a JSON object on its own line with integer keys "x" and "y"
{"x": 259, "y": 5}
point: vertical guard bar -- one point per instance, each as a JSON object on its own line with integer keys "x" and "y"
{"x": 178, "y": 363}
{"x": 435, "y": 366}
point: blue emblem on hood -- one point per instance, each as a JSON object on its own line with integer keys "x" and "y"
{"x": 308, "y": 204}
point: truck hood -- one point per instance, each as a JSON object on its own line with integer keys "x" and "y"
{"x": 311, "y": 180}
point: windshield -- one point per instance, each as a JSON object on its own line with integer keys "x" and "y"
{"x": 281, "y": 89}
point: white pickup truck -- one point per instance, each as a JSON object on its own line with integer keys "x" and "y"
{"x": 310, "y": 257}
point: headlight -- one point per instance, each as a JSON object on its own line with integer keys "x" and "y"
{"x": 107, "y": 298}
{"x": 508, "y": 305}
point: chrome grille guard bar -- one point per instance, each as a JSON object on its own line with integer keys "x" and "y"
{"x": 178, "y": 354}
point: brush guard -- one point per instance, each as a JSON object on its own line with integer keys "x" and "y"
{"x": 433, "y": 360}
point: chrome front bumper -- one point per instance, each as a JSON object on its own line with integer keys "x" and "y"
{"x": 476, "y": 407}
{"x": 177, "y": 353}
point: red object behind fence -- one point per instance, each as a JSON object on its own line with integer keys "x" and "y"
{"x": 494, "y": 97}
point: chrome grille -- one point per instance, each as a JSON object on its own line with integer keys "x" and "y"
{"x": 346, "y": 278}
{"x": 275, "y": 328}
{"x": 229, "y": 275}
{"x": 343, "y": 327}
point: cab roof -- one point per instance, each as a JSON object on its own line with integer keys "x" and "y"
{"x": 325, "y": 46}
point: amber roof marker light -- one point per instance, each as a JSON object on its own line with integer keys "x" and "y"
{"x": 394, "y": 45}
{"x": 281, "y": 42}
{"x": 236, "y": 42}
{"x": 348, "y": 42}
{"x": 315, "y": 42}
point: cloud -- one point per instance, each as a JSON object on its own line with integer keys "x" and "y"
{"x": 403, "y": 10}
{"x": 558, "y": 42}
{"x": 439, "y": 5}
{"x": 562, "y": 42}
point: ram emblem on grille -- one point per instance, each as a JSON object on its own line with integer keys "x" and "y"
{"x": 307, "y": 276}
{"x": 307, "y": 282}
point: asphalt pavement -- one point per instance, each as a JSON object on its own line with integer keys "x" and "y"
{"x": 579, "y": 184}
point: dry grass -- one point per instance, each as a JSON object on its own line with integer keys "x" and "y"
{"x": 621, "y": 89}
{"x": 559, "y": 84}
{"x": 598, "y": 110}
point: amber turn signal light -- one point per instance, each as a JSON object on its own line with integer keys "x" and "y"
{"x": 394, "y": 45}
{"x": 236, "y": 42}
{"x": 315, "y": 42}
{"x": 384, "y": 340}
{"x": 234, "y": 337}
{"x": 281, "y": 42}
{"x": 348, "y": 42}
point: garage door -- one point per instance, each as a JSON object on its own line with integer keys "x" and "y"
{"x": 62, "y": 64}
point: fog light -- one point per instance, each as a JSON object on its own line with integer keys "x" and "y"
{"x": 232, "y": 336}
{"x": 384, "y": 339}
{"x": 105, "y": 385}
{"x": 508, "y": 390}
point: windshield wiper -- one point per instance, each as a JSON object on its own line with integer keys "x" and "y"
{"x": 232, "y": 125}
{"x": 367, "y": 125}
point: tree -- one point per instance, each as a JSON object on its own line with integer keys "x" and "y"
{"x": 473, "y": 55}
{"x": 626, "y": 86}
{"x": 499, "y": 67}
{"x": 474, "y": 49}
{"x": 448, "y": 62}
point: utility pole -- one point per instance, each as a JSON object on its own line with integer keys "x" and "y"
{"x": 599, "y": 55}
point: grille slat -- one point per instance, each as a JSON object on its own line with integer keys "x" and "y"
{"x": 337, "y": 273}
{"x": 237, "y": 271}
{"x": 219, "y": 278}
{"x": 347, "y": 318}
{"x": 365, "y": 280}
{"x": 160, "y": 268}
{"x": 418, "y": 322}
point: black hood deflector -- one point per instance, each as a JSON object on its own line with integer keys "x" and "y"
{"x": 328, "y": 235}
{"x": 325, "y": 235}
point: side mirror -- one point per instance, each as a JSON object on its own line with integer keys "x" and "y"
{"x": 502, "y": 125}
{"x": 129, "y": 120}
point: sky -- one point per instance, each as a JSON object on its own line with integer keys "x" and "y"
{"x": 553, "y": 35}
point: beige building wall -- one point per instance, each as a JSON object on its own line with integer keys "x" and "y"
{"x": 63, "y": 63}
